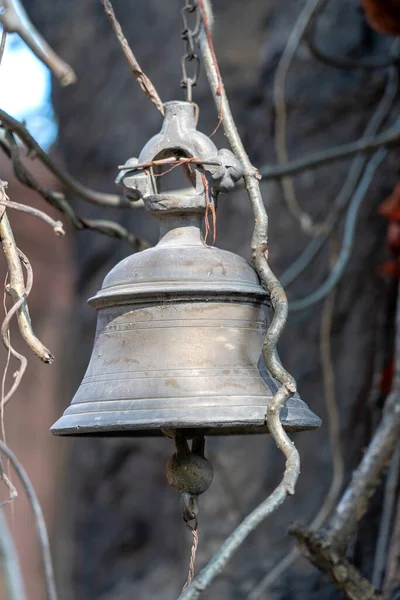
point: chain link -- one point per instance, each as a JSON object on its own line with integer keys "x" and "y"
{"x": 190, "y": 37}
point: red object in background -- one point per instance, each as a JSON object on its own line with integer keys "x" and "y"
{"x": 393, "y": 237}
{"x": 391, "y": 268}
{"x": 390, "y": 208}
{"x": 383, "y": 15}
{"x": 386, "y": 379}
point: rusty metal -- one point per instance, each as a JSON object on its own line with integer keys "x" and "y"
{"x": 180, "y": 326}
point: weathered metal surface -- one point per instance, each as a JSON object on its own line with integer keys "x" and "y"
{"x": 180, "y": 326}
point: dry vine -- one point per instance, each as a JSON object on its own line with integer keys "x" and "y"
{"x": 328, "y": 378}
{"x": 259, "y": 247}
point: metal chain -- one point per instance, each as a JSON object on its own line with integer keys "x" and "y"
{"x": 190, "y": 36}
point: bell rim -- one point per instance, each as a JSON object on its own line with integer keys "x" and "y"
{"x": 295, "y": 416}
{"x": 153, "y": 295}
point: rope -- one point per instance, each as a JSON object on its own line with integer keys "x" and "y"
{"x": 195, "y": 543}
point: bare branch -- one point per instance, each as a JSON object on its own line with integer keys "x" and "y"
{"x": 5, "y": 201}
{"x": 71, "y": 184}
{"x": 367, "y": 476}
{"x": 39, "y": 520}
{"x": 56, "y": 199}
{"x": 331, "y": 497}
{"x": 259, "y": 254}
{"x": 348, "y": 238}
{"x": 3, "y": 43}
{"x": 18, "y": 290}
{"x": 15, "y": 20}
{"x": 142, "y": 79}
{"x": 22, "y": 359}
{"x": 346, "y": 193}
{"x": 388, "y": 138}
{"x": 289, "y": 194}
{"x": 347, "y": 578}
{"x": 259, "y": 243}
{"x": 115, "y": 230}
{"x": 324, "y": 548}
{"x": 10, "y": 568}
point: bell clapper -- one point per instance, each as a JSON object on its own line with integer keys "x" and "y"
{"x": 191, "y": 474}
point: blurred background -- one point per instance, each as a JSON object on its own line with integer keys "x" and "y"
{"x": 115, "y": 524}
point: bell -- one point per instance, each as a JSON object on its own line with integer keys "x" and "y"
{"x": 181, "y": 325}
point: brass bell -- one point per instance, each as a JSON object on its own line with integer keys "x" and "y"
{"x": 181, "y": 325}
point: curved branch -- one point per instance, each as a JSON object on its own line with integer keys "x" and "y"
{"x": 39, "y": 520}
{"x": 343, "y": 198}
{"x": 71, "y": 184}
{"x": 355, "y": 500}
{"x": 144, "y": 82}
{"x": 18, "y": 290}
{"x": 10, "y": 568}
{"x": 56, "y": 199}
{"x": 35, "y": 212}
{"x": 328, "y": 377}
{"x": 388, "y": 138}
{"x": 288, "y": 190}
{"x": 15, "y": 20}
{"x": 348, "y": 238}
{"x": 22, "y": 359}
{"x": 259, "y": 254}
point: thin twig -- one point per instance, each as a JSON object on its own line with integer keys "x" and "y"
{"x": 10, "y": 568}
{"x": 71, "y": 184}
{"x": 348, "y": 237}
{"x": 142, "y": 79}
{"x": 259, "y": 254}
{"x": 366, "y": 477}
{"x": 289, "y": 194}
{"x": 388, "y": 138}
{"x": 15, "y": 20}
{"x": 346, "y": 193}
{"x": 18, "y": 290}
{"x": 328, "y": 377}
{"x": 22, "y": 359}
{"x": 115, "y": 230}
{"x": 6, "y": 337}
{"x": 5, "y": 201}
{"x": 325, "y": 548}
{"x": 105, "y": 227}
{"x": 39, "y": 520}
{"x": 3, "y": 43}
{"x": 207, "y": 26}
{"x": 170, "y": 160}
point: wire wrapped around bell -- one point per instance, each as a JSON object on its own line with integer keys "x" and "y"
{"x": 180, "y": 326}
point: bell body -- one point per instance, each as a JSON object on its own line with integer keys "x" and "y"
{"x": 179, "y": 345}
{"x": 180, "y": 326}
